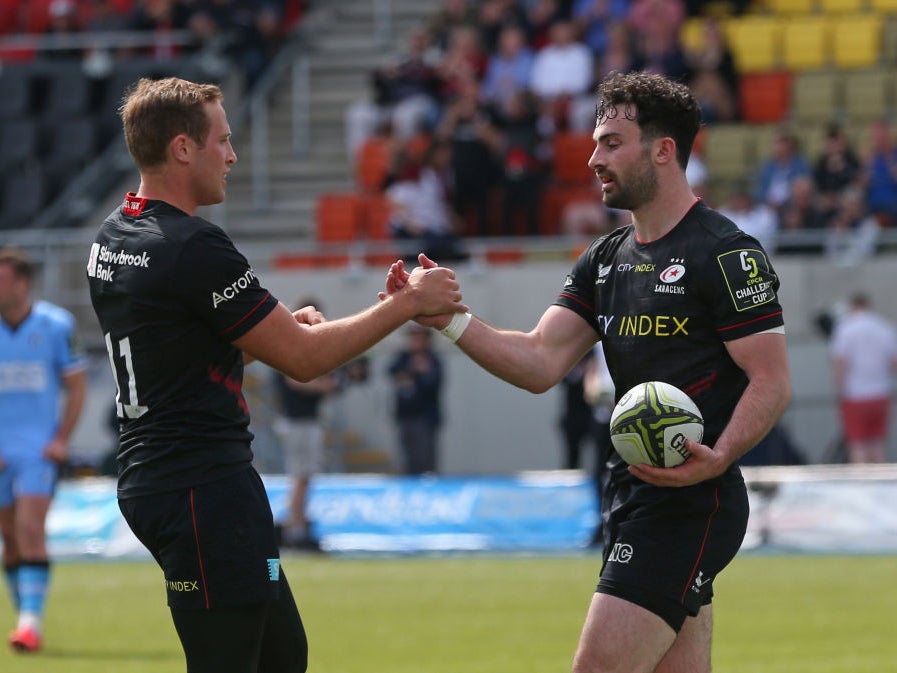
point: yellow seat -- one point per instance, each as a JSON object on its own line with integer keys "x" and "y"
{"x": 691, "y": 34}
{"x": 868, "y": 94}
{"x": 791, "y": 7}
{"x": 755, "y": 42}
{"x": 805, "y": 42}
{"x": 856, "y": 40}
{"x": 842, "y": 6}
{"x": 816, "y": 96}
{"x": 883, "y": 6}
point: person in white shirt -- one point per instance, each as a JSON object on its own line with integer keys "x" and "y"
{"x": 864, "y": 354}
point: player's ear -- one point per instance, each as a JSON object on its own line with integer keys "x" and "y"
{"x": 180, "y": 148}
{"x": 664, "y": 150}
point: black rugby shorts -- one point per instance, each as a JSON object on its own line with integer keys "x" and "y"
{"x": 665, "y": 554}
{"x": 214, "y": 542}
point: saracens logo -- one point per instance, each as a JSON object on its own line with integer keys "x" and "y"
{"x": 231, "y": 291}
{"x": 674, "y": 272}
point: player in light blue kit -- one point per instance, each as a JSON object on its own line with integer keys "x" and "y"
{"x": 40, "y": 365}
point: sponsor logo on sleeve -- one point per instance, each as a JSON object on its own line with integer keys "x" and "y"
{"x": 748, "y": 278}
{"x": 233, "y": 290}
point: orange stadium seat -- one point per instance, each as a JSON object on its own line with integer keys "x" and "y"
{"x": 805, "y": 42}
{"x": 376, "y": 209}
{"x": 764, "y": 97}
{"x": 571, "y": 156}
{"x": 338, "y": 217}
{"x": 372, "y": 163}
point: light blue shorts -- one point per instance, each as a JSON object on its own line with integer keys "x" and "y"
{"x": 26, "y": 474}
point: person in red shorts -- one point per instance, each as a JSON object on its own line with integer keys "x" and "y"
{"x": 864, "y": 354}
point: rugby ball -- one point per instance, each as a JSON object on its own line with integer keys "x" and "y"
{"x": 651, "y": 422}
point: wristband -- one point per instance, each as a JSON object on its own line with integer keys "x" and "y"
{"x": 456, "y": 326}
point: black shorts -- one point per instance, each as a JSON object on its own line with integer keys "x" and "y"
{"x": 214, "y": 542}
{"x": 664, "y": 554}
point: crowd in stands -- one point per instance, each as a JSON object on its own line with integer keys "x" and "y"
{"x": 500, "y": 80}
{"x": 65, "y": 63}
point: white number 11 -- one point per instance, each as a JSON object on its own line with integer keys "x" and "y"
{"x": 130, "y": 408}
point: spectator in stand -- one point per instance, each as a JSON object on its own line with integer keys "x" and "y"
{"x": 63, "y": 21}
{"x": 417, "y": 376}
{"x": 777, "y": 172}
{"x": 452, "y": 14}
{"x": 463, "y": 62}
{"x": 853, "y": 233}
{"x": 712, "y": 76}
{"x": 160, "y": 17}
{"x": 541, "y": 15}
{"x": 754, "y": 219}
{"x": 864, "y": 354}
{"x": 472, "y": 135}
{"x": 523, "y": 152}
{"x": 594, "y": 21}
{"x": 495, "y": 15}
{"x": 837, "y": 168}
{"x": 803, "y": 212}
{"x": 508, "y": 70}
{"x": 619, "y": 55}
{"x": 655, "y": 26}
{"x": 406, "y": 96}
{"x": 420, "y": 205}
{"x": 250, "y": 30}
{"x": 880, "y": 174}
{"x": 562, "y": 76}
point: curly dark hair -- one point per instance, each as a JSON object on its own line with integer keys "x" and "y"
{"x": 660, "y": 107}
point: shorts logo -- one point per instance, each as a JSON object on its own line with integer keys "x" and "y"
{"x": 748, "y": 277}
{"x": 274, "y": 569}
{"x": 621, "y": 553}
{"x": 700, "y": 582}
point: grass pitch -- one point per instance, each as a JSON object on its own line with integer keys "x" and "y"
{"x": 463, "y": 614}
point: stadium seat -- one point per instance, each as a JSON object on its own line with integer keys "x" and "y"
{"x": 68, "y": 146}
{"x": 856, "y": 40}
{"x": 557, "y": 197}
{"x": 376, "y": 209}
{"x": 571, "y": 152}
{"x": 868, "y": 94}
{"x": 18, "y": 144}
{"x": 691, "y": 34}
{"x": 338, "y": 218}
{"x": 15, "y": 92}
{"x": 883, "y": 6}
{"x": 755, "y": 42}
{"x": 65, "y": 92}
{"x": 805, "y": 43}
{"x": 22, "y": 197}
{"x": 727, "y": 151}
{"x": 791, "y": 7}
{"x": 372, "y": 163}
{"x": 764, "y": 97}
{"x": 842, "y": 6}
{"x": 816, "y": 96}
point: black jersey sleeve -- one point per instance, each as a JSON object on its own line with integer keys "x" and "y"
{"x": 218, "y": 283}
{"x": 578, "y": 292}
{"x": 745, "y": 288}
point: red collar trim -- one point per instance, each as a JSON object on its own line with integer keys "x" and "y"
{"x": 133, "y": 204}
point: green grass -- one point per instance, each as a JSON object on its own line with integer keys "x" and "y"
{"x": 480, "y": 614}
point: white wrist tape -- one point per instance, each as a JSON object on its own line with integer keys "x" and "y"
{"x": 456, "y": 326}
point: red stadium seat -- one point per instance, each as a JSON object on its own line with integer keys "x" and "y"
{"x": 571, "y": 157}
{"x": 764, "y": 97}
{"x": 338, "y": 217}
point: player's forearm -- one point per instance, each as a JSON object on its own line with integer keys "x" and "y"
{"x": 75, "y": 394}
{"x": 510, "y": 355}
{"x": 760, "y": 408}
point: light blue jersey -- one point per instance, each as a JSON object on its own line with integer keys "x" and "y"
{"x": 33, "y": 359}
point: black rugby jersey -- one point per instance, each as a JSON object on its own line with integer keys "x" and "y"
{"x": 171, "y": 293}
{"x": 665, "y": 309}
